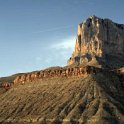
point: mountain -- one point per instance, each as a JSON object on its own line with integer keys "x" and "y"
{"x": 99, "y": 42}
{"x": 90, "y": 90}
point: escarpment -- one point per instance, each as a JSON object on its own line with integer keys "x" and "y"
{"x": 99, "y": 42}
{"x": 56, "y": 73}
{"x": 68, "y": 72}
{"x": 78, "y": 71}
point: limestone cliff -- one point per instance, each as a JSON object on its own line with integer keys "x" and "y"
{"x": 99, "y": 42}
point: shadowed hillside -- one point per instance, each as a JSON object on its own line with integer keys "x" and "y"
{"x": 95, "y": 99}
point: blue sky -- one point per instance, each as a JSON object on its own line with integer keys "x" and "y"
{"x": 36, "y": 34}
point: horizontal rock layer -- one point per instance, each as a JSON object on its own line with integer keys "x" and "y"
{"x": 95, "y": 99}
{"x": 78, "y": 71}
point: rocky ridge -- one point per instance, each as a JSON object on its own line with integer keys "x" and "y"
{"x": 56, "y": 72}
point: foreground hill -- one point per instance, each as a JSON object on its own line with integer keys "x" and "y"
{"x": 94, "y": 99}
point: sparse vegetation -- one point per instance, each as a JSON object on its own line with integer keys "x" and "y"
{"x": 64, "y": 100}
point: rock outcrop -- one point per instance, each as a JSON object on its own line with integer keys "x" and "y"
{"x": 56, "y": 73}
{"x": 99, "y": 42}
{"x": 78, "y": 71}
{"x": 68, "y": 72}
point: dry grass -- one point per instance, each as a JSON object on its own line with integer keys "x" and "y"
{"x": 95, "y": 99}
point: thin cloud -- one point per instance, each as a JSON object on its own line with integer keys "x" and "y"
{"x": 67, "y": 43}
{"x": 57, "y": 54}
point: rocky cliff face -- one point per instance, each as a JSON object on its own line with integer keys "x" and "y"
{"x": 99, "y": 42}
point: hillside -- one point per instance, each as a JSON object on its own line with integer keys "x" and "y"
{"x": 9, "y": 78}
{"x": 95, "y": 99}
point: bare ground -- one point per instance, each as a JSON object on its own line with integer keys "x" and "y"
{"x": 95, "y": 99}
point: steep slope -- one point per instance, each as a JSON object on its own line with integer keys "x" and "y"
{"x": 99, "y": 42}
{"x": 95, "y": 99}
{"x": 8, "y": 79}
